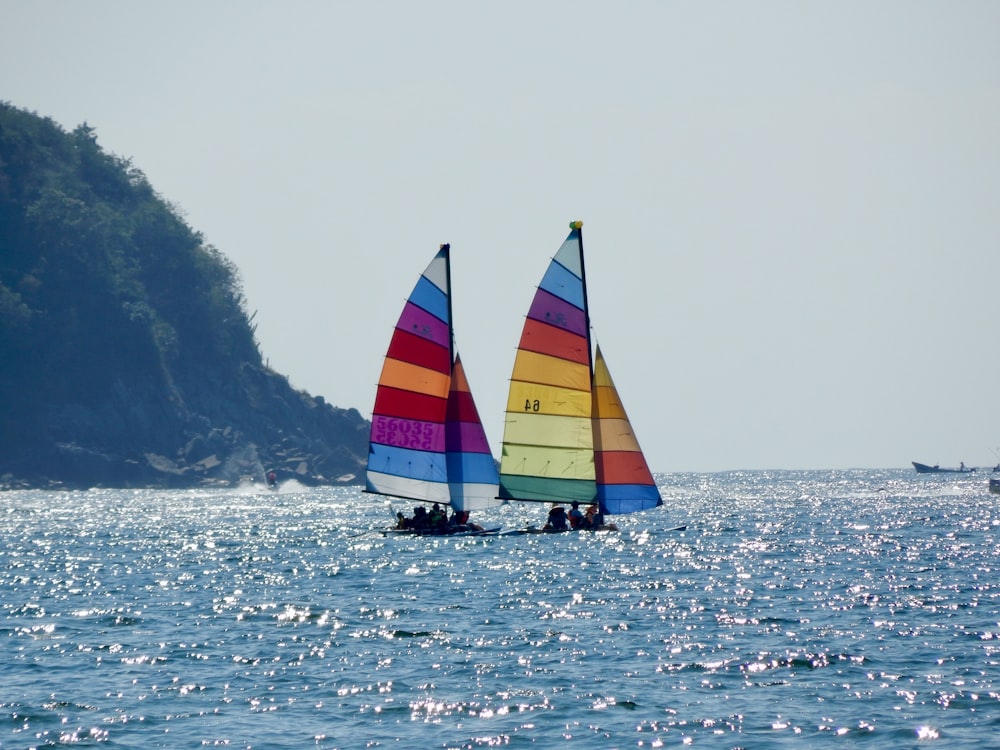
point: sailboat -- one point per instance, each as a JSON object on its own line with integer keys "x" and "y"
{"x": 567, "y": 437}
{"x": 427, "y": 441}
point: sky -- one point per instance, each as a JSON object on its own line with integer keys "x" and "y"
{"x": 791, "y": 209}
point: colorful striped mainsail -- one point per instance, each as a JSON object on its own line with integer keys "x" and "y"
{"x": 414, "y": 451}
{"x": 548, "y": 445}
{"x": 406, "y": 453}
{"x": 562, "y": 440}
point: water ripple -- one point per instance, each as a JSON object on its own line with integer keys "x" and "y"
{"x": 798, "y": 607}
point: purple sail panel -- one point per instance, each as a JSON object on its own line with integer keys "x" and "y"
{"x": 422, "y": 323}
{"x": 467, "y": 437}
{"x": 548, "y": 308}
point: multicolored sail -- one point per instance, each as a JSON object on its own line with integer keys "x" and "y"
{"x": 548, "y": 445}
{"x": 624, "y": 482}
{"x": 406, "y": 453}
{"x": 560, "y": 439}
{"x": 415, "y": 451}
{"x": 472, "y": 472}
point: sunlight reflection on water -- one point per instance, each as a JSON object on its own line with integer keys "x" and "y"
{"x": 798, "y": 606}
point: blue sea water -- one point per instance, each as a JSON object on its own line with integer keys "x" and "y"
{"x": 799, "y": 609}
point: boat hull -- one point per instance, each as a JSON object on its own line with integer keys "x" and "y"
{"x": 926, "y": 469}
{"x": 443, "y": 532}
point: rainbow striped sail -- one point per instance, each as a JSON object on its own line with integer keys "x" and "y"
{"x": 624, "y": 482}
{"x": 472, "y": 472}
{"x": 566, "y": 436}
{"x": 427, "y": 442}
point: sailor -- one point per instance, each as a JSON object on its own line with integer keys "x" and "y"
{"x": 459, "y": 520}
{"x": 557, "y": 520}
{"x": 437, "y": 517}
{"x": 576, "y": 519}
{"x": 420, "y": 520}
{"x": 596, "y": 518}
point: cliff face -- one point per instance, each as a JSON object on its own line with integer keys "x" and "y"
{"x": 129, "y": 357}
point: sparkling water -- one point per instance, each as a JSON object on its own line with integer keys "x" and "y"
{"x": 798, "y": 609}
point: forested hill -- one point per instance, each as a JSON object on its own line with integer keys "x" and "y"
{"x": 128, "y": 356}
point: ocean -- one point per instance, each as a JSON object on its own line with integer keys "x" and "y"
{"x": 812, "y": 609}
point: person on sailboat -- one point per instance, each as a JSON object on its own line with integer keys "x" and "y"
{"x": 437, "y": 518}
{"x": 272, "y": 479}
{"x": 420, "y": 518}
{"x": 557, "y": 520}
{"x": 576, "y": 519}
{"x": 595, "y": 520}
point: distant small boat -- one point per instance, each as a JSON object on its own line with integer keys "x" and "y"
{"x": 925, "y": 469}
{"x": 995, "y": 486}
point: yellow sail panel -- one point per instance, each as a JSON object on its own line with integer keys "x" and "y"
{"x": 551, "y": 463}
{"x": 531, "y": 398}
{"x": 606, "y": 400}
{"x": 614, "y": 435}
{"x": 403, "y": 375}
{"x": 532, "y": 367}
{"x": 546, "y": 429}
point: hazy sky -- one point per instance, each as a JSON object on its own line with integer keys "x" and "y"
{"x": 791, "y": 209}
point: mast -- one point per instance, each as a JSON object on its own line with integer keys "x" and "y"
{"x": 578, "y": 226}
{"x": 446, "y": 250}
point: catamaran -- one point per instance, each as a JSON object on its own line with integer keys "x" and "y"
{"x": 427, "y": 442}
{"x": 567, "y": 437}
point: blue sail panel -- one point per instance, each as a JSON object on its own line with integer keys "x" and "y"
{"x": 618, "y": 499}
{"x": 428, "y": 297}
{"x": 560, "y": 282}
